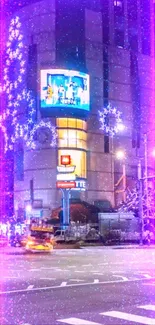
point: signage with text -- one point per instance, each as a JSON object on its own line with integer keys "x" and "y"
{"x": 63, "y": 184}
{"x": 80, "y": 185}
{"x": 66, "y": 177}
{"x": 65, "y": 160}
{"x": 65, "y": 169}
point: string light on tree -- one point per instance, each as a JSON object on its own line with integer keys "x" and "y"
{"x": 15, "y": 125}
{"x": 108, "y": 114}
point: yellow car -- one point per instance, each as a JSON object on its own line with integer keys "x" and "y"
{"x": 39, "y": 240}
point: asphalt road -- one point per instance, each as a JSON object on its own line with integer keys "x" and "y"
{"x": 92, "y": 286}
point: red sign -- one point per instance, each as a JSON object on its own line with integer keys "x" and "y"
{"x": 61, "y": 184}
{"x": 65, "y": 160}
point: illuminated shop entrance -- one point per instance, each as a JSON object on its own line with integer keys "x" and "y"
{"x": 72, "y": 140}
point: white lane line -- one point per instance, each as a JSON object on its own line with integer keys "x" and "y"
{"x": 69, "y": 285}
{"x": 71, "y": 266}
{"x": 76, "y": 280}
{"x": 124, "y": 278}
{"x": 79, "y": 271}
{"x": 100, "y": 264}
{"x": 33, "y": 270}
{"x": 87, "y": 265}
{"x": 48, "y": 279}
{"x": 147, "y": 276}
{"x": 10, "y": 277}
{"x": 98, "y": 273}
{"x": 148, "y": 307}
{"x": 96, "y": 281}
{"x": 77, "y": 321}
{"x": 30, "y": 287}
{"x": 63, "y": 284}
{"x": 130, "y": 317}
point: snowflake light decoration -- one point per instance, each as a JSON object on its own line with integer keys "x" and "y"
{"x": 104, "y": 116}
{"x": 42, "y": 125}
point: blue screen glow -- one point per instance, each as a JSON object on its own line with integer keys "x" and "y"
{"x": 65, "y": 88}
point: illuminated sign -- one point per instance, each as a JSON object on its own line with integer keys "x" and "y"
{"x": 66, "y": 177}
{"x": 64, "y": 91}
{"x": 65, "y": 169}
{"x": 61, "y": 184}
{"x": 65, "y": 160}
{"x": 80, "y": 185}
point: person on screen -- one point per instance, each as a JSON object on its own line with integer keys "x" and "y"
{"x": 69, "y": 93}
{"x": 49, "y": 92}
{"x": 61, "y": 94}
{"x": 80, "y": 95}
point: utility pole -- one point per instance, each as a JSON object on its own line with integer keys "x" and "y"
{"x": 140, "y": 190}
{"x": 146, "y": 173}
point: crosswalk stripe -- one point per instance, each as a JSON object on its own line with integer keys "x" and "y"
{"x": 130, "y": 317}
{"x": 148, "y": 307}
{"x": 77, "y": 321}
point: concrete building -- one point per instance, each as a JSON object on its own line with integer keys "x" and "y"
{"x": 112, "y": 41}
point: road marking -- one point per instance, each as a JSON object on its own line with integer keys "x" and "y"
{"x": 103, "y": 264}
{"x": 10, "y": 277}
{"x": 98, "y": 273}
{"x": 77, "y": 321}
{"x": 48, "y": 279}
{"x": 79, "y": 271}
{"x": 63, "y": 284}
{"x": 124, "y": 278}
{"x": 148, "y": 307}
{"x": 69, "y": 285}
{"x": 33, "y": 270}
{"x": 147, "y": 276}
{"x": 96, "y": 281}
{"x": 71, "y": 266}
{"x": 87, "y": 265}
{"x": 30, "y": 287}
{"x": 130, "y": 317}
{"x": 76, "y": 280}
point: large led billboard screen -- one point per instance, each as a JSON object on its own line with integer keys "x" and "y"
{"x": 65, "y": 92}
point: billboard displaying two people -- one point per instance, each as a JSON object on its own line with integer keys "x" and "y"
{"x": 65, "y": 89}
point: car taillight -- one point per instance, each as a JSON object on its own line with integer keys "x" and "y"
{"x": 30, "y": 242}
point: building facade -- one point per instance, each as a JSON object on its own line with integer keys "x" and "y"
{"x": 113, "y": 42}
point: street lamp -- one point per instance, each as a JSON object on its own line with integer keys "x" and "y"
{"x": 28, "y": 208}
{"x": 120, "y": 155}
{"x": 120, "y": 127}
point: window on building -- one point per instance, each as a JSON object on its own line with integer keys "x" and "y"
{"x": 106, "y": 144}
{"x": 78, "y": 159}
{"x": 106, "y": 21}
{"x": 68, "y": 138}
{"x": 71, "y": 123}
{"x": 132, "y": 24}
{"x": 119, "y": 23}
{"x": 118, "y": 3}
{"x": 146, "y": 26}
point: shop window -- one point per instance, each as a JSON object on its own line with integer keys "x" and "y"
{"x": 71, "y": 123}
{"x": 78, "y": 159}
{"x": 72, "y": 139}
{"x": 62, "y": 122}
